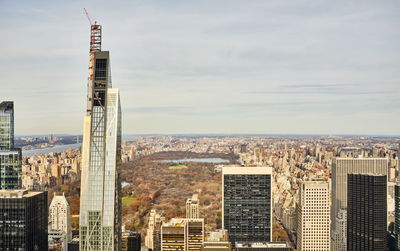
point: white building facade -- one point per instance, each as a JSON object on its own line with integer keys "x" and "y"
{"x": 313, "y": 217}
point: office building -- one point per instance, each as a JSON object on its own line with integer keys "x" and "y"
{"x": 341, "y": 167}
{"x": 23, "y": 220}
{"x": 10, "y": 157}
{"x": 100, "y": 204}
{"x": 153, "y": 234}
{"x": 59, "y": 232}
{"x": 182, "y": 234}
{"x": 313, "y": 216}
{"x": 263, "y": 246}
{"x": 192, "y": 207}
{"x": 217, "y": 241}
{"x": 60, "y": 215}
{"x": 397, "y": 215}
{"x": 57, "y": 240}
{"x": 131, "y": 241}
{"x": 366, "y": 212}
{"x": 247, "y": 203}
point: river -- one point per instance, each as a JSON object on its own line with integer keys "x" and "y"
{"x": 54, "y": 149}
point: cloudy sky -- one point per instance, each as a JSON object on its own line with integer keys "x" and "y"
{"x": 211, "y": 66}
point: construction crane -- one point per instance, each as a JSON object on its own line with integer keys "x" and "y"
{"x": 88, "y": 17}
{"x": 95, "y": 34}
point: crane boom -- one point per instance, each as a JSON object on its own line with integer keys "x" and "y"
{"x": 88, "y": 17}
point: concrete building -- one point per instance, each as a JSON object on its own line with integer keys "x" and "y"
{"x": 217, "y": 241}
{"x": 60, "y": 216}
{"x": 192, "y": 207}
{"x": 100, "y": 204}
{"x": 247, "y": 203}
{"x": 153, "y": 235}
{"x": 341, "y": 167}
{"x": 131, "y": 241}
{"x": 23, "y": 220}
{"x": 182, "y": 234}
{"x": 10, "y": 157}
{"x": 263, "y": 246}
{"x": 366, "y": 212}
{"x": 57, "y": 240}
{"x": 313, "y": 216}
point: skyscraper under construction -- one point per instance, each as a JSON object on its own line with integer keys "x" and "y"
{"x": 100, "y": 205}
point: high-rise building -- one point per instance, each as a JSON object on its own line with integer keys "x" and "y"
{"x": 397, "y": 215}
{"x": 100, "y": 205}
{"x": 10, "y": 157}
{"x": 23, "y": 220}
{"x": 192, "y": 207}
{"x": 131, "y": 241}
{"x": 247, "y": 203}
{"x": 341, "y": 167}
{"x": 23, "y": 214}
{"x": 60, "y": 215}
{"x": 153, "y": 234}
{"x": 263, "y": 246}
{"x": 217, "y": 241}
{"x": 182, "y": 234}
{"x": 313, "y": 216}
{"x": 366, "y": 212}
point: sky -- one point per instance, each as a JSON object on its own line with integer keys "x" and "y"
{"x": 210, "y": 66}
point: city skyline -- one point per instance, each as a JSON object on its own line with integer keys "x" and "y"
{"x": 243, "y": 68}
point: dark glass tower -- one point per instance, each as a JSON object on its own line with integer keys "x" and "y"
{"x": 247, "y": 203}
{"x": 23, "y": 214}
{"x": 23, "y": 220}
{"x": 10, "y": 157}
{"x": 397, "y": 215}
{"x": 366, "y": 212}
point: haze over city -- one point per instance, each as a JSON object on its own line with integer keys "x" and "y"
{"x": 285, "y": 67}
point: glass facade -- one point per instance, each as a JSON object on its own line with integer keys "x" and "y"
{"x": 100, "y": 217}
{"x": 366, "y": 212}
{"x": 6, "y": 125}
{"x": 247, "y": 207}
{"x": 23, "y": 220}
{"x": 10, "y": 157}
{"x": 397, "y": 215}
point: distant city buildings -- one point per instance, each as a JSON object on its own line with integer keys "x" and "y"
{"x": 247, "y": 203}
{"x": 313, "y": 224}
{"x": 192, "y": 207}
{"x": 366, "y": 212}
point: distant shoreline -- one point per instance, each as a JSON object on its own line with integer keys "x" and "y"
{"x": 54, "y": 149}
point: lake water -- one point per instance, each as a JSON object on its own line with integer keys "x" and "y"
{"x": 54, "y": 149}
{"x": 204, "y": 160}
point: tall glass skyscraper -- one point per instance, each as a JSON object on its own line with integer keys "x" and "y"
{"x": 23, "y": 214}
{"x": 366, "y": 212}
{"x": 100, "y": 205}
{"x": 341, "y": 167}
{"x": 10, "y": 157}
